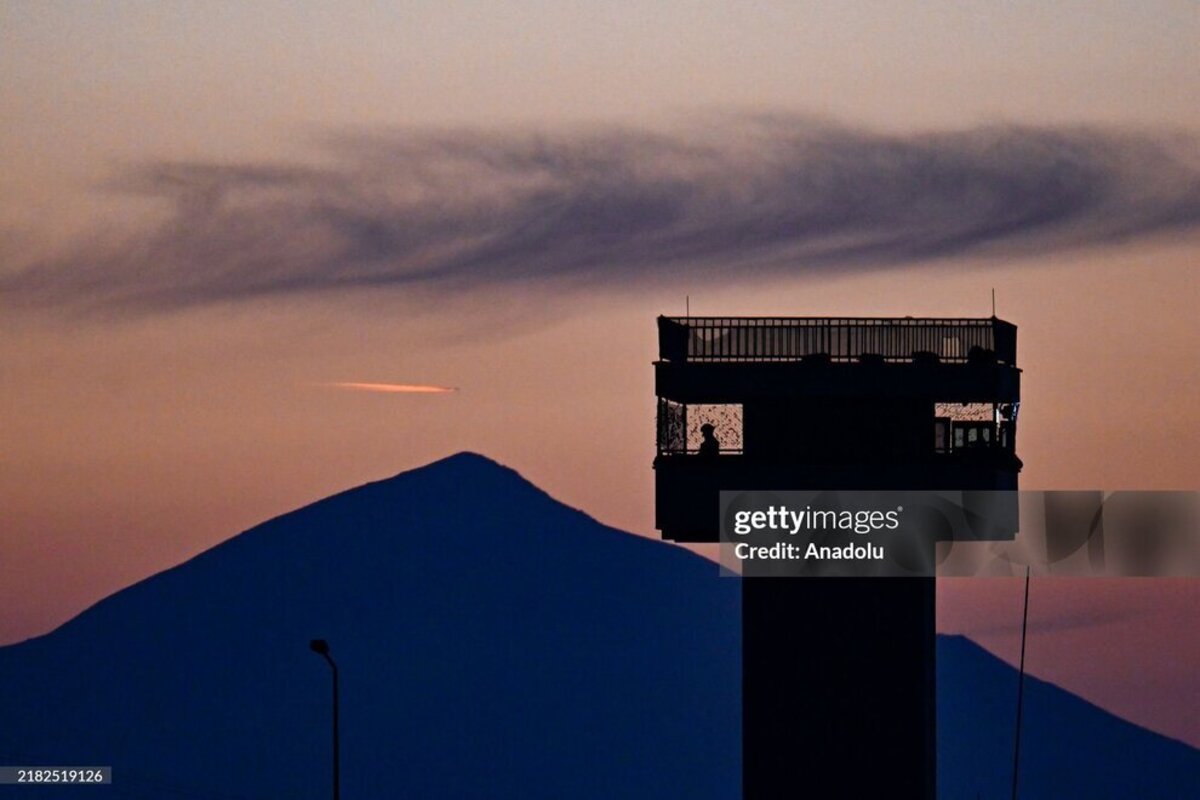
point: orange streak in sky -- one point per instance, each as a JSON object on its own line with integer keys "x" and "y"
{"x": 393, "y": 388}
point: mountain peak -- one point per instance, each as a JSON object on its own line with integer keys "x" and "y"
{"x": 464, "y": 459}
{"x": 453, "y": 488}
{"x": 464, "y": 465}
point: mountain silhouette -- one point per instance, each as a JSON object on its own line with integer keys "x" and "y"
{"x": 1069, "y": 747}
{"x": 492, "y": 643}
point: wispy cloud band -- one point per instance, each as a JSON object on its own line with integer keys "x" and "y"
{"x": 777, "y": 194}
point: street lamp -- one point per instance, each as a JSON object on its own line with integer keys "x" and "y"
{"x": 321, "y": 647}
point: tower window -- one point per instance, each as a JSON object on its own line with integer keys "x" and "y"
{"x": 681, "y": 427}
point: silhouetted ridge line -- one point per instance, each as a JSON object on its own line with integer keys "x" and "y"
{"x": 529, "y": 654}
{"x": 1070, "y": 747}
{"x": 491, "y": 642}
{"x": 469, "y": 492}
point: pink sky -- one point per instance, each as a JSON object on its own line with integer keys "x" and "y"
{"x": 211, "y": 215}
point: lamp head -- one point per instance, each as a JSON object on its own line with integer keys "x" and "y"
{"x": 319, "y": 646}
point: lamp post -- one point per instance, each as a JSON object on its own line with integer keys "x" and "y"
{"x": 321, "y": 647}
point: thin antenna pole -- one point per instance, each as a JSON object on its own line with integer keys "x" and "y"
{"x": 1020, "y": 688}
{"x": 687, "y": 301}
{"x": 993, "y": 301}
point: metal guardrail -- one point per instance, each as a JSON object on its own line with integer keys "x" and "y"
{"x": 840, "y": 339}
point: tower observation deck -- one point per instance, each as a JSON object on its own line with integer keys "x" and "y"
{"x": 830, "y": 403}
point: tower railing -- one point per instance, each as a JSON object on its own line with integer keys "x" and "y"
{"x": 838, "y": 339}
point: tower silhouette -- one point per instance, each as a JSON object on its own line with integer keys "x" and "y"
{"x": 838, "y": 673}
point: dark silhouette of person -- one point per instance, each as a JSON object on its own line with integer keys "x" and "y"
{"x": 710, "y": 446}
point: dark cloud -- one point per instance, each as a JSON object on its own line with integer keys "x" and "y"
{"x": 772, "y": 194}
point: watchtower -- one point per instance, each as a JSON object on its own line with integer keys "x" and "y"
{"x": 838, "y": 673}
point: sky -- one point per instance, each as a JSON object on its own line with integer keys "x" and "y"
{"x": 211, "y": 215}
